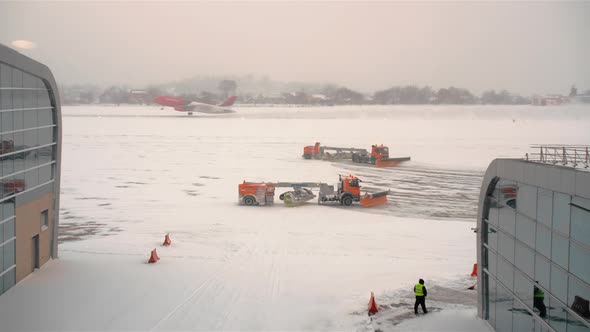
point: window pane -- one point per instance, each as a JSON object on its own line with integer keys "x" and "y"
{"x": 19, "y": 141}
{"x": 507, "y": 220}
{"x": 525, "y": 230}
{"x": 560, "y": 250}
{"x": 30, "y": 118}
{"x": 39, "y": 83}
{"x": 7, "y": 144}
{"x": 492, "y": 301}
{"x": 523, "y": 288}
{"x": 29, "y": 99}
{"x": 7, "y": 209}
{"x": 580, "y": 262}
{"x": 493, "y": 216}
{"x": 31, "y": 159}
{"x": 29, "y": 81}
{"x": 581, "y": 220}
{"x": 45, "y": 136}
{"x": 492, "y": 237}
{"x": 542, "y": 271}
{"x": 505, "y": 194}
{"x": 557, "y": 315}
{"x": 505, "y": 273}
{"x": 527, "y": 200}
{"x": 43, "y": 99}
{"x": 17, "y": 78}
{"x": 32, "y": 178}
{"x": 503, "y": 310}
{"x": 44, "y": 117}
{"x": 522, "y": 319}
{"x": 17, "y": 99}
{"x": 559, "y": 283}
{"x": 5, "y": 76}
{"x": 545, "y": 206}
{"x": 561, "y": 213}
{"x": 577, "y": 288}
{"x": 543, "y": 242}
{"x": 18, "y": 120}
{"x": 7, "y": 121}
{"x": 525, "y": 260}
{"x": 45, "y": 154}
{"x": 8, "y": 230}
{"x": 9, "y": 279}
{"x": 5, "y": 99}
{"x": 44, "y": 174}
{"x": 506, "y": 247}
{"x": 30, "y": 137}
{"x": 492, "y": 263}
{"x": 8, "y": 255}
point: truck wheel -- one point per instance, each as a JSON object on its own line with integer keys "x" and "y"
{"x": 346, "y": 200}
{"x": 249, "y": 201}
{"x": 282, "y": 197}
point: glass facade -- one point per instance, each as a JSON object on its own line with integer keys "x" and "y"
{"x": 28, "y": 140}
{"x": 536, "y": 259}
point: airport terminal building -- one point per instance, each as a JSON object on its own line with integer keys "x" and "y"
{"x": 30, "y": 151}
{"x": 533, "y": 246}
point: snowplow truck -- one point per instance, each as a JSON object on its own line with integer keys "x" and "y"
{"x": 256, "y": 193}
{"x": 379, "y": 157}
{"x": 349, "y": 191}
{"x": 312, "y": 151}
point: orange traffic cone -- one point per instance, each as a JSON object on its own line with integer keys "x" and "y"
{"x": 474, "y": 272}
{"x": 156, "y": 254}
{"x": 372, "y": 305}
{"x": 167, "y": 240}
{"x": 472, "y": 287}
{"x": 153, "y": 257}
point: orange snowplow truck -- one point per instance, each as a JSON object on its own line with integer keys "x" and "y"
{"x": 348, "y": 191}
{"x": 312, "y": 151}
{"x": 379, "y": 155}
{"x": 256, "y": 193}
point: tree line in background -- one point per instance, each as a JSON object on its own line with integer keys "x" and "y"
{"x": 257, "y": 92}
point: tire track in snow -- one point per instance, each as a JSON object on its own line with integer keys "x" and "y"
{"x": 421, "y": 190}
{"x": 195, "y": 292}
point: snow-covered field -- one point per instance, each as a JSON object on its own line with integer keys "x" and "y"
{"x": 132, "y": 174}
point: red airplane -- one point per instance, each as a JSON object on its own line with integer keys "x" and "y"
{"x": 183, "y": 105}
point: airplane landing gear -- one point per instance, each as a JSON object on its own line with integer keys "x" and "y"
{"x": 190, "y": 113}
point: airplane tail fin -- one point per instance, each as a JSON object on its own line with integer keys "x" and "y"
{"x": 230, "y": 101}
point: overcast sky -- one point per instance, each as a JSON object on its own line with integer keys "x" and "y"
{"x": 525, "y": 47}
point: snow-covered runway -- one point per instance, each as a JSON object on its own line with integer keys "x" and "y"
{"x": 132, "y": 174}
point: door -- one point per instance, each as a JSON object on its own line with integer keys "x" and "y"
{"x": 35, "y": 252}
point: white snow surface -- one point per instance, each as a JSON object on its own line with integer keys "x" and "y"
{"x": 132, "y": 174}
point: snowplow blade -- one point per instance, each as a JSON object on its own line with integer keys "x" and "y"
{"x": 374, "y": 199}
{"x": 389, "y": 162}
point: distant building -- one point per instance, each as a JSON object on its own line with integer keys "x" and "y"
{"x": 30, "y": 129}
{"x": 533, "y": 244}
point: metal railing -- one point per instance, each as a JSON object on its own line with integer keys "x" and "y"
{"x": 567, "y": 155}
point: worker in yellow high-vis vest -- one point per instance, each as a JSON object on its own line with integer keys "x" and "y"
{"x": 420, "y": 291}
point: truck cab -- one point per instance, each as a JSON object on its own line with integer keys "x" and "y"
{"x": 379, "y": 152}
{"x": 349, "y": 190}
{"x": 312, "y": 151}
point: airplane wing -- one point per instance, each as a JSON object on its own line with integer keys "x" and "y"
{"x": 212, "y": 109}
{"x": 206, "y": 108}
